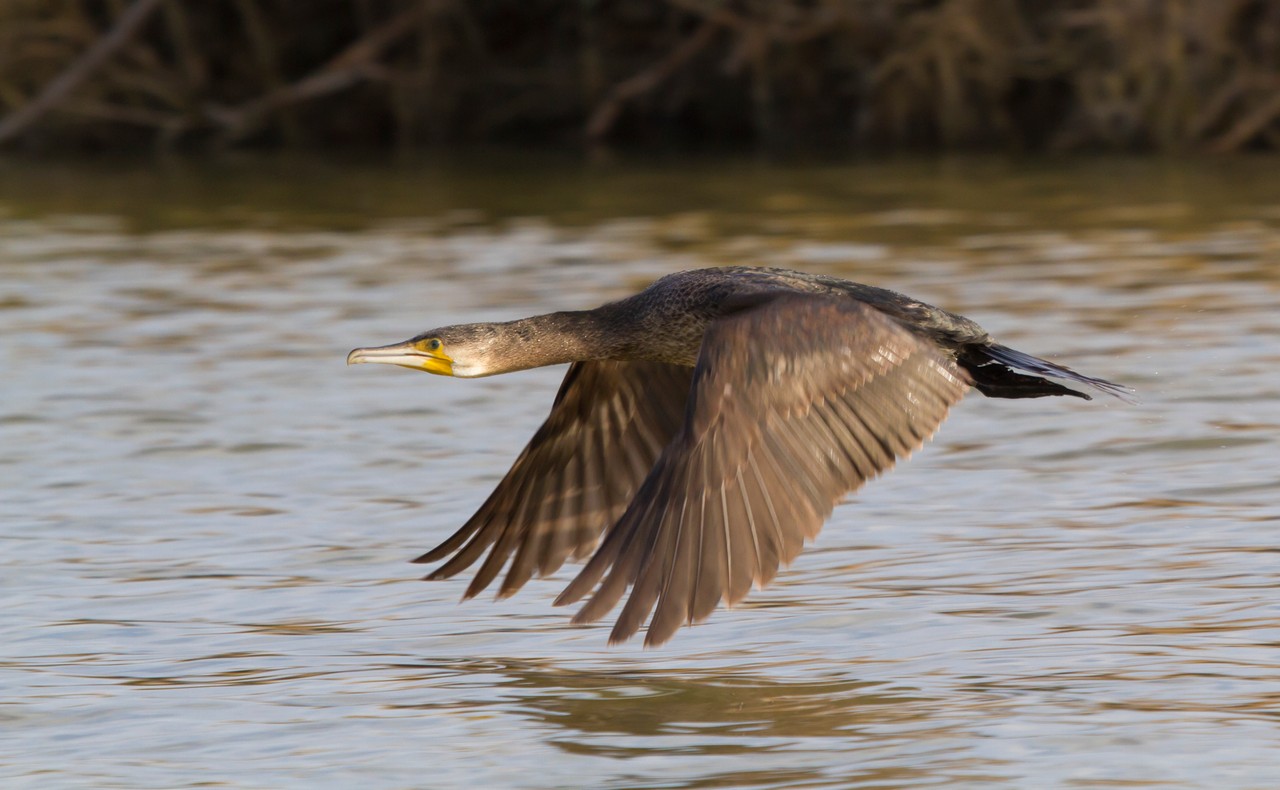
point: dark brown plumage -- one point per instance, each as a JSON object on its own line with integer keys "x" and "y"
{"x": 609, "y": 422}
{"x": 706, "y": 428}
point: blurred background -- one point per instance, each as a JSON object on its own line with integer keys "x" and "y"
{"x": 783, "y": 77}
{"x": 206, "y": 517}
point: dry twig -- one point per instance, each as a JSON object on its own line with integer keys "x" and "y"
{"x": 66, "y": 82}
{"x": 608, "y": 110}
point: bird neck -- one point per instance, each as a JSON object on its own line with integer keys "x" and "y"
{"x": 573, "y": 336}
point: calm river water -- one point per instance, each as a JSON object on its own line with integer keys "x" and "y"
{"x": 206, "y": 516}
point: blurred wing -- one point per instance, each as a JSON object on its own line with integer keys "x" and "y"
{"x": 609, "y": 422}
{"x": 793, "y": 404}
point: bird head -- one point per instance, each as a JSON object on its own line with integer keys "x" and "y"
{"x": 463, "y": 351}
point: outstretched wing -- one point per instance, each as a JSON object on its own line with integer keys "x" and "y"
{"x": 793, "y": 404}
{"x": 608, "y": 425}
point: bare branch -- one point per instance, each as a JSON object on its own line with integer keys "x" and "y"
{"x": 353, "y": 65}
{"x": 66, "y": 82}
{"x": 607, "y": 112}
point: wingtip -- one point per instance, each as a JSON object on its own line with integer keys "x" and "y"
{"x": 476, "y": 587}
{"x": 506, "y": 591}
{"x": 467, "y": 594}
{"x": 567, "y": 596}
{"x": 579, "y": 586}
{"x": 655, "y": 639}
{"x": 621, "y": 634}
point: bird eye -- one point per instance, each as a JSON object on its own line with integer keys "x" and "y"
{"x": 433, "y": 345}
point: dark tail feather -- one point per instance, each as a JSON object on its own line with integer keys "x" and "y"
{"x": 993, "y": 367}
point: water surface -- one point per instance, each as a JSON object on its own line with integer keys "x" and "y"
{"x": 206, "y": 516}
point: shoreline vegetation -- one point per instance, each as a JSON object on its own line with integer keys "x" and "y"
{"x": 780, "y": 77}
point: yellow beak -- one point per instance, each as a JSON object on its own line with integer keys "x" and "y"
{"x": 408, "y": 354}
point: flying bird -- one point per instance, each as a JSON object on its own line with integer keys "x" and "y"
{"x": 706, "y": 428}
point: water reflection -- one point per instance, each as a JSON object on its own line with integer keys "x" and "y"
{"x": 635, "y": 715}
{"x": 714, "y": 702}
{"x": 206, "y": 518}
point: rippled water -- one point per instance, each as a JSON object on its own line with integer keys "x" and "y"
{"x": 206, "y": 516}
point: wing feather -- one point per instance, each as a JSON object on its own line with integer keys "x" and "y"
{"x": 793, "y": 404}
{"x": 575, "y": 478}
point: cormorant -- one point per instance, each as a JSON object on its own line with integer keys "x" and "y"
{"x": 706, "y": 428}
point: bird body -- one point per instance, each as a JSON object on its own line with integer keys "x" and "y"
{"x": 706, "y": 428}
